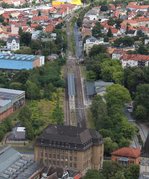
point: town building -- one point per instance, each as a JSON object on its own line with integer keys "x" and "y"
{"x": 71, "y": 90}
{"x": 17, "y": 134}
{"x": 131, "y": 60}
{"x": 60, "y": 173}
{"x": 13, "y": 43}
{"x": 70, "y": 147}
{"x": 16, "y": 166}
{"x": 96, "y": 88}
{"x": 20, "y": 61}
{"x": 90, "y": 42}
{"x": 144, "y": 164}
{"x": 126, "y": 156}
{"x": 10, "y": 100}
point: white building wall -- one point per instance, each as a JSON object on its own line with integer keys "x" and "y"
{"x": 129, "y": 63}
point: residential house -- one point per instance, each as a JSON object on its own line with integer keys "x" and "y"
{"x": 90, "y": 42}
{"x": 96, "y": 88}
{"x": 117, "y": 54}
{"x": 4, "y": 35}
{"x": 36, "y": 34}
{"x": 14, "y": 29}
{"x": 135, "y": 7}
{"x": 126, "y": 156}
{"x": 13, "y": 43}
{"x": 131, "y": 60}
{"x": 86, "y": 32}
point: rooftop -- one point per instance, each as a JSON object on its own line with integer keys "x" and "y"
{"x": 15, "y": 165}
{"x": 71, "y": 84}
{"x": 135, "y": 57}
{"x": 9, "y": 94}
{"x": 127, "y": 152}
{"x": 17, "y": 57}
{"x": 69, "y": 137}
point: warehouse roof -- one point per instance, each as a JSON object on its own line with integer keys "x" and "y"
{"x": 9, "y": 93}
{"x": 71, "y": 84}
{"x": 15, "y": 165}
{"x": 17, "y": 57}
{"x": 4, "y": 102}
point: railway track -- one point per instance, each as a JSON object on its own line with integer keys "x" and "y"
{"x": 73, "y": 67}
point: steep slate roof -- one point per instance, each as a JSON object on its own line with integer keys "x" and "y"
{"x": 11, "y": 38}
{"x": 145, "y": 149}
{"x": 69, "y": 137}
{"x": 127, "y": 152}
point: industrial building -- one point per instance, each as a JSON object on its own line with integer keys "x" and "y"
{"x": 10, "y": 100}
{"x": 71, "y": 90}
{"x": 70, "y": 147}
{"x": 10, "y": 61}
{"x": 14, "y": 165}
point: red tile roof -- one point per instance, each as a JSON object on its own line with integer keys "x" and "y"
{"x": 136, "y": 57}
{"x": 127, "y": 152}
{"x": 138, "y": 6}
{"x": 49, "y": 28}
{"x": 40, "y": 18}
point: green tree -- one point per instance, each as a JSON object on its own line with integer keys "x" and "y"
{"x": 24, "y": 50}
{"x": 36, "y": 45}
{"x": 25, "y": 38}
{"x": 143, "y": 50}
{"x": 119, "y": 175}
{"x": 1, "y": 19}
{"x": 20, "y": 31}
{"x": 109, "y": 145}
{"x": 25, "y": 119}
{"x": 16, "y": 85}
{"x": 117, "y": 95}
{"x": 96, "y": 31}
{"x": 96, "y": 49}
{"x": 111, "y": 21}
{"x": 39, "y": 13}
{"x": 109, "y": 33}
{"x": 99, "y": 112}
{"x": 142, "y": 98}
{"x": 58, "y": 114}
{"x": 132, "y": 171}
{"x": 32, "y": 90}
{"x": 93, "y": 174}
{"x": 110, "y": 169}
{"x": 133, "y": 76}
{"x": 111, "y": 70}
{"x": 140, "y": 113}
{"x": 39, "y": 27}
{"x": 124, "y": 41}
